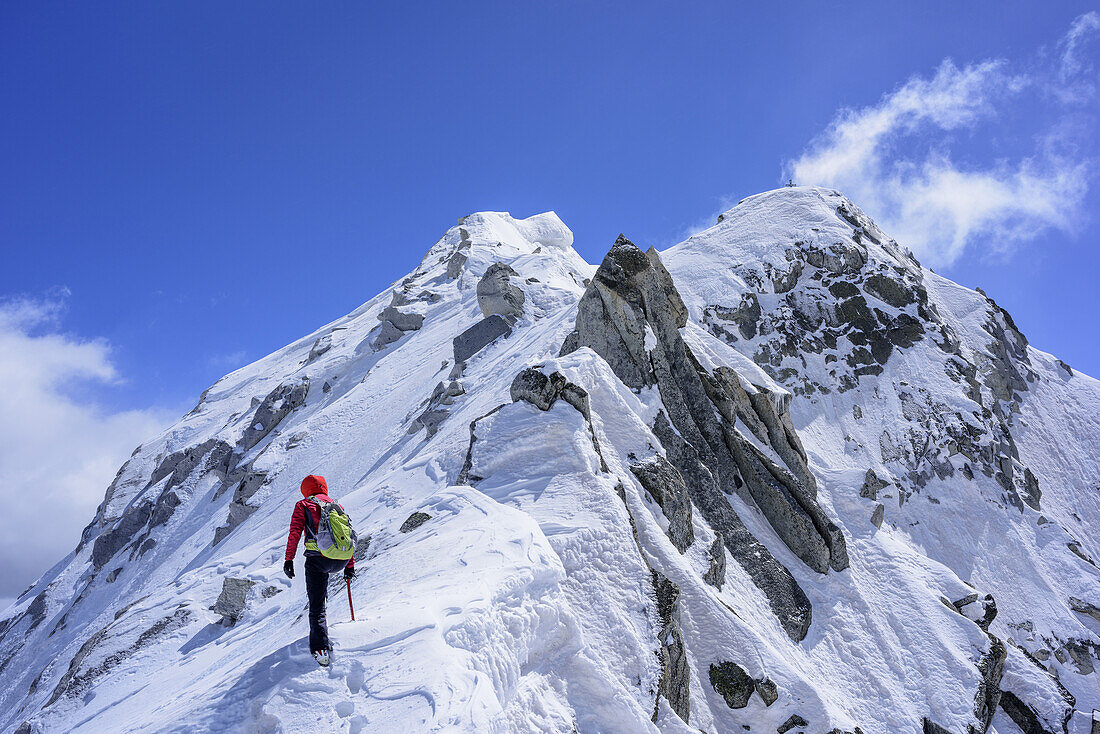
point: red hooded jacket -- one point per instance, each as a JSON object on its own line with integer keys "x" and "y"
{"x": 313, "y": 485}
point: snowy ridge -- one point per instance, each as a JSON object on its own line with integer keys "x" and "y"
{"x": 795, "y": 482}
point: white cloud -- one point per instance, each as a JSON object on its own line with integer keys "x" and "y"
{"x": 1080, "y": 34}
{"x": 58, "y": 451}
{"x": 927, "y": 200}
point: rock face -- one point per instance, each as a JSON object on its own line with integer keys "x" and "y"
{"x": 271, "y": 411}
{"x": 674, "y": 685}
{"x": 632, "y": 303}
{"x": 665, "y": 485}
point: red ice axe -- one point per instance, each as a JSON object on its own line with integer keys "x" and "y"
{"x": 350, "y": 605}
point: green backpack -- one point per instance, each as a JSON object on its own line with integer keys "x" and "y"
{"x": 335, "y": 537}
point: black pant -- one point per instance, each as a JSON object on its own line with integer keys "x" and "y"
{"x": 317, "y": 570}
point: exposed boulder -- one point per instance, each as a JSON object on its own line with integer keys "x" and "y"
{"x": 479, "y": 336}
{"x": 497, "y": 295}
{"x": 444, "y": 393}
{"x": 1030, "y": 492}
{"x": 930, "y": 727}
{"x": 387, "y": 334}
{"x": 735, "y": 686}
{"x": 871, "y": 485}
{"x": 430, "y": 420}
{"x": 232, "y": 599}
{"x": 768, "y": 690}
{"x": 732, "y": 683}
{"x": 793, "y": 721}
{"x": 537, "y": 388}
{"x": 401, "y": 320}
{"x": 413, "y": 521}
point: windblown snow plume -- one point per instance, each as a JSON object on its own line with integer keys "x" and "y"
{"x": 777, "y": 478}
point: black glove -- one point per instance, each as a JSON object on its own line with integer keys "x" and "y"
{"x": 349, "y": 573}
{"x": 288, "y": 569}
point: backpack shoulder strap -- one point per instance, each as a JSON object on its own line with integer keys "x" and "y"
{"x": 309, "y": 515}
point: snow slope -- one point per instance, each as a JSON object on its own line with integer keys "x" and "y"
{"x": 648, "y": 504}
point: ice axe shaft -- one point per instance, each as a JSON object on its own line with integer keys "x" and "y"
{"x": 350, "y": 605}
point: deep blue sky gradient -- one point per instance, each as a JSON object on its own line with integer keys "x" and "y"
{"x": 214, "y": 180}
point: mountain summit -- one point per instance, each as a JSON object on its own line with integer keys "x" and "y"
{"x": 777, "y": 478}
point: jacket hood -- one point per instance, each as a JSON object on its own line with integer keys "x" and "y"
{"x": 314, "y": 484}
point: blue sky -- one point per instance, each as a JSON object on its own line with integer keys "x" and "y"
{"x": 185, "y": 188}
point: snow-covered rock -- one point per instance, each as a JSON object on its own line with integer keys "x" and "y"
{"x": 778, "y": 477}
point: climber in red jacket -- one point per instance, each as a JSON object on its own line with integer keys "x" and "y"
{"x": 306, "y": 517}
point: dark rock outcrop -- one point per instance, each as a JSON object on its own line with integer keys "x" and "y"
{"x": 767, "y": 690}
{"x": 430, "y": 420}
{"x": 793, "y": 721}
{"x": 675, "y": 673}
{"x": 1022, "y": 715}
{"x": 413, "y": 521}
{"x": 732, "y": 683}
{"x": 871, "y": 485}
{"x": 78, "y": 678}
{"x": 247, "y": 482}
{"x": 133, "y": 520}
{"x": 930, "y": 727}
{"x": 665, "y": 485}
{"x": 320, "y": 347}
{"x": 272, "y": 410}
{"x": 537, "y": 388}
{"x": 716, "y": 572}
{"x": 992, "y": 667}
{"x": 1084, "y": 607}
{"x": 387, "y": 334}
{"x": 479, "y": 336}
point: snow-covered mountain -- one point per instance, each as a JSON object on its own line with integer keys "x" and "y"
{"x": 777, "y": 478}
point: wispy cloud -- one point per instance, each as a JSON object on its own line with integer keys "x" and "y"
{"x": 55, "y": 446}
{"x": 228, "y": 361}
{"x": 1081, "y": 34}
{"x": 895, "y": 158}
